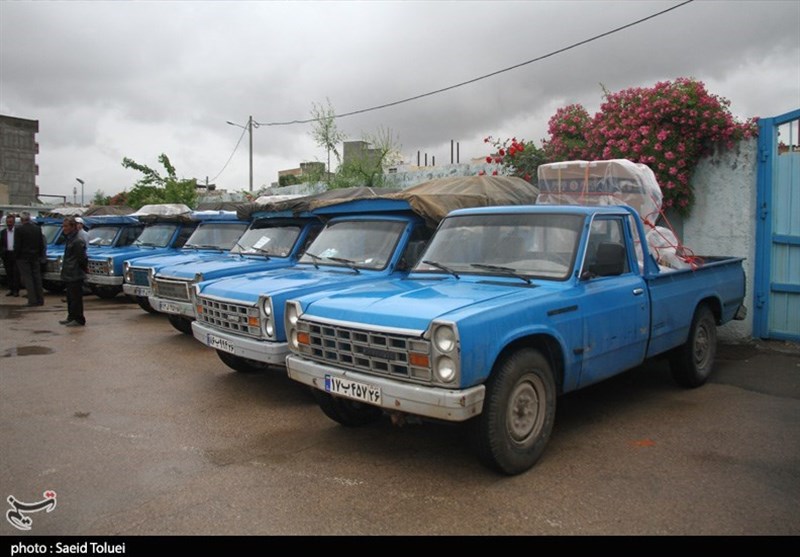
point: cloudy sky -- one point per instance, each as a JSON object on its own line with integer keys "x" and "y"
{"x": 108, "y": 80}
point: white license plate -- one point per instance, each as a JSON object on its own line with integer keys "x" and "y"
{"x": 141, "y": 291}
{"x": 168, "y": 307}
{"x": 219, "y": 344}
{"x": 353, "y": 389}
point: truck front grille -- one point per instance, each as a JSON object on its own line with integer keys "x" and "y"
{"x": 98, "y": 267}
{"x": 230, "y": 317}
{"x": 172, "y": 289}
{"x": 140, "y": 277}
{"x": 363, "y": 350}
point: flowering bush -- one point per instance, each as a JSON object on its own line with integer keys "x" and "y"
{"x": 515, "y": 158}
{"x": 668, "y": 127}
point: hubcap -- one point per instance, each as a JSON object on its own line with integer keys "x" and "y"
{"x": 702, "y": 344}
{"x": 526, "y": 409}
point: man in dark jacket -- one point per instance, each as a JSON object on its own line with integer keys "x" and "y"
{"x": 73, "y": 271}
{"x": 29, "y": 247}
{"x": 8, "y": 256}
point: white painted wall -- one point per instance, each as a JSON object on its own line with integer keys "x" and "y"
{"x": 723, "y": 219}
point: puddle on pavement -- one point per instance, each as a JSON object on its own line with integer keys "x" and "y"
{"x": 27, "y": 351}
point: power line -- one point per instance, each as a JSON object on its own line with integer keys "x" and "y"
{"x": 231, "y": 157}
{"x": 498, "y": 72}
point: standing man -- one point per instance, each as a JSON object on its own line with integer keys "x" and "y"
{"x": 82, "y": 230}
{"x": 8, "y": 256}
{"x": 28, "y": 247}
{"x": 73, "y": 271}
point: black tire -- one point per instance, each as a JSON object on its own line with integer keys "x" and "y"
{"x": 53, "y": 286}
{"x": 349, "y": 413}
{"x": 105, "y": 292}
{"x": 242, "y": 365}
{"x": 144, "y": 303}
{"x": 518, "y": 414}
{"x": 692, "y": 362}
{"x": 180, "y": 323}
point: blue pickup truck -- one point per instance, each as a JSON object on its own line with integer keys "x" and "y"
{"x": 507, "y": 309}
{"x": 365, "y": 240}
{"x": 51, "y": 228}
{"x": 213, "y": 231}
{"x": 279, "y": 232}
{"x": 105, "y": 231}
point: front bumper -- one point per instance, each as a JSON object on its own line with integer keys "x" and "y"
{"x": 53, "y": 277}
{"x": 104, "y": 280}
{"x": 138, "y": 291}
{"x": 260, "y": 350}
{"x": 164, "y": 305}
{"x": 420, "y": 400}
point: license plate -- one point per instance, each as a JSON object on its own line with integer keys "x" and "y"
{"x": 219, "y": 344}
{"x": 167, "y": 307}
{"x": 353, "y": 389}
{"x": 141, "y": 291}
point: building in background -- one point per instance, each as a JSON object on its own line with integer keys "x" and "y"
{"x": 18, "y": 168}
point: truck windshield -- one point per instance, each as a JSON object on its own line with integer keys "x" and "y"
{"x": 524, "y": 245}
{"x": 356, "y": 244}
{"x": 51, "y": 232}
{"x": 103, "y": 235}
{"x": 272, "y": 240}
{"x": 156, "y": 235}
{"x": 216, "y": 235}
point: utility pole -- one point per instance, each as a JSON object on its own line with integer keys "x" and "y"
{"x": 249, "y": 127}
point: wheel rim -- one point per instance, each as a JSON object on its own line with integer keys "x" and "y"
{"x": 702, "y": 346}
{"x": 526, "y": 409}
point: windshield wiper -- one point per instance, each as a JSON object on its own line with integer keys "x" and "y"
{"x": 349, "y": 262}
{"x": 442, "y": 267}
{"x": 500, "y": 269}
{"x": 254, "y": 248}
{"x": 314, "y": 259}
{"x": 148, "y": 244}
{"x": 203, "y": 246}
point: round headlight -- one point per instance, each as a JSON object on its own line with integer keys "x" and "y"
{"x": 444, "y": 338}
{"x": 291, "y": 314}
{"x": 269, "y": 328}
{"x": 445, "y": 369}
{"x": 267, "y": 307}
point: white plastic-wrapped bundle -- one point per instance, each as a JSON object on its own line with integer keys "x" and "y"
{"x": 665, "y": 248}
{"x": 610, "y": 182}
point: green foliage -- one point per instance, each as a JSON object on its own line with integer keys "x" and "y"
{"x": 367, "y": 169}
{"x": 288, "y": 180}
{"x": 154, "y": 188}
{"x": 515, "y": 158}
{"x": 324, "y": 130}
{"x": 100, "y": 198}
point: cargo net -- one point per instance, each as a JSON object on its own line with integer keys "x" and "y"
{"x": 618, "y": 182}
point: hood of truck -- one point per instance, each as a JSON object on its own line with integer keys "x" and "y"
{"x": 166, "y": 259}
{"x": 285, "y": 283}
{"x": 223, "y": 265}
{"x": 414, "y": 303}
{"x": 128, "y": 252}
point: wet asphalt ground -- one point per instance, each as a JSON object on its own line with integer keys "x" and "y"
{"x": 140, "y": 429}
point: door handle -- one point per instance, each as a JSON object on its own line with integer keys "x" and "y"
{"x": 638, "y": 291}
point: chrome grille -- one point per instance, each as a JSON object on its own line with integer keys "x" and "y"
{"x": 98, "y": 267}
{"x": 53, "y": 266}
{"x": 362, "y": 350}
{"x": 140, "y": 277}
{"x": 172, "y": 289}
{"x": 228, "y": 317}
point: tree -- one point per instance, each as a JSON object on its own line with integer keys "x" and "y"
{"x": 325, "y": 132}
{"x": 155, "y": 188}
{"x": 100, "y": 198}
{"x": 367, "y": 168}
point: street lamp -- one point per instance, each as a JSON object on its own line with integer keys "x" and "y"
{"x": 249, "y": 127}
{"x": 81, "y": 183}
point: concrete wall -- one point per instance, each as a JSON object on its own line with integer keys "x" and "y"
{"x": 723, "y": 219}
{"x": 18, "y": 150}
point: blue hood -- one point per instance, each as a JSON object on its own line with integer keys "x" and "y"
{"x": 174, "y": 258}
{"x": 128, "y": 252}
{"x": 292, "y": 282}
{"x": 414, "y": 303}
{"x": 223, "y": 265}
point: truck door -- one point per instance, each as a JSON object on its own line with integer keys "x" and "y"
{"x": 615, "y": 304}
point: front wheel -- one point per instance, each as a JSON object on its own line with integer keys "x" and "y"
{"x": 242, "y": 365}
{"x": 691, "y": 363}
{"x": 180, "y": 323}
{"x": 518, "y": 414}
{"x": 105, "y": 292}
{"x": 349, "y": 413}
{"x": 144, "y": 303}
{"x": 53, "y": 286}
